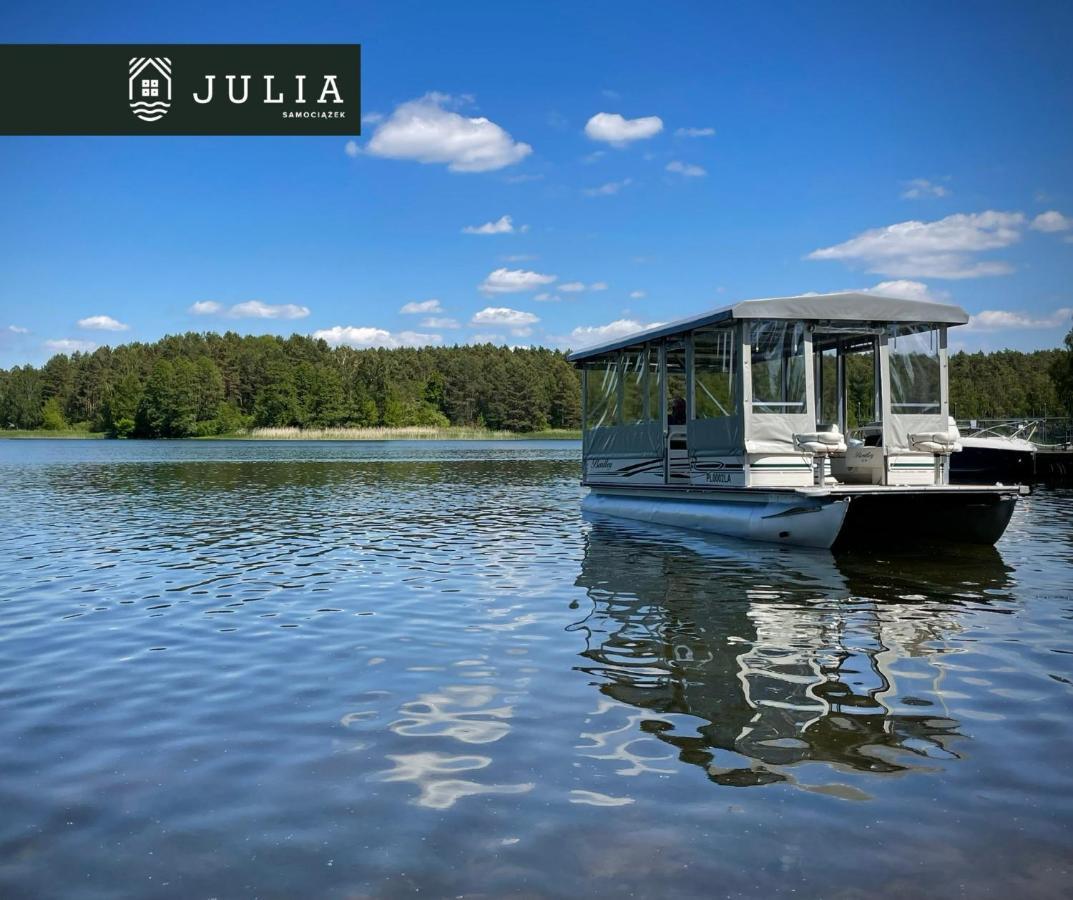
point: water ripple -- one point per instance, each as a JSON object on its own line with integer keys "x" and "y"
{"x": 243, "y": 669}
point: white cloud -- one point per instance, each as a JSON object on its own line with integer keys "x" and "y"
{"x": 205, "y": 308}
{"x": 70, "y": 345}
{"x": 908, "y": 290}
{"x": 519, "y": 257}
{"x": 513, "y": 281}
{"x": 421, "y": 307}
{"x": 605, "y": 190}
{"x": 371, "y": 118}
{"x": 503, "y": 315}
{"x": 1052, "y": 220}
{"x": 576, "y": 287}
{"x": 619, "y": 131}
{"x": 250, "y": 309}
{"x": 436, "y": 322}
{"x": 518, "y": 321}
{"x": 18, "y": 329}
{"x": 351, "y": 149}
{"x": 1001, "y": 319}
{"x": 921, "y": 187}
{"x": 503, "y": 225}
{"x": 940, "y": 249}
{"x": 255, "y": 309}
{"x": 426, "y": 131}
{"x": 102, "y": 323}
{"x": 354, "y": 336}
{"x": 637, "y": 295}
{"x": 547, "y": 298}
{"x": 585, "y": 335}
{"x": 487, "y": 338}
{"x": 694, "y": 132}
{"x": 687, "y": 169}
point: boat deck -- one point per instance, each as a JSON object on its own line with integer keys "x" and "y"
{"x": 827, "y": 490}
{"x": 843, "y": 490}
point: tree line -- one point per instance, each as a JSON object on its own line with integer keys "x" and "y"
{"x": 1012, "y": 384}
{"x": 203, "y": 384}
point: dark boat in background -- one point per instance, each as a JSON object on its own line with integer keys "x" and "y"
{"x": 1002, "y": 454}
{"x": 1014, "y": 452}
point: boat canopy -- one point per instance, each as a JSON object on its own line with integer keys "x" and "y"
{"x": 848, "y": 306}
{"x": 761, "y": 376}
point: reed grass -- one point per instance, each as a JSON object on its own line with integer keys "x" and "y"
{"x": 61, "y": 433}
{"x": 408, "y": 433}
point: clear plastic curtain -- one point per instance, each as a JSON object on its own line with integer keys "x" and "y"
{"x": 778, "y": 367}
{"x": 622, "y": 405}
{"x": 914, "y": 370}
{"x": 714, "y": 373}
{"x": 601, "y": 400}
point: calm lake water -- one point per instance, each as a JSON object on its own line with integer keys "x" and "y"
{"x": 373, "y": 670}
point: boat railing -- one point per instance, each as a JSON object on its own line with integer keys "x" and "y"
{"x": 1043, "y": 431}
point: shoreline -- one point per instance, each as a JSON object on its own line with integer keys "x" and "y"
{"x": 410, "y": 433}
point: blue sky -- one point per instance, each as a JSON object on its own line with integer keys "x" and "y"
{"x": 652, "y": 160}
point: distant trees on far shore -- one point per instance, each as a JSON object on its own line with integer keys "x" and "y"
{"x": 203, "y": 384}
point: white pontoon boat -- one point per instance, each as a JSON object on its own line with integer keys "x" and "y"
{"x": 737, "y": 422}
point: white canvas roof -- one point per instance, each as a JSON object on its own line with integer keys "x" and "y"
{"x": 844, "y": 307}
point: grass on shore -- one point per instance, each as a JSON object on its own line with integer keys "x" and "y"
{"x": 64, "y": 433}
{"x": 407, "y": 433}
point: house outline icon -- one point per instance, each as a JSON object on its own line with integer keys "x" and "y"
{"x": 149, "y": 87}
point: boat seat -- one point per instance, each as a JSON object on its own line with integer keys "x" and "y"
{"x": 830, "y": 442}
{"x": 940, "y": 442}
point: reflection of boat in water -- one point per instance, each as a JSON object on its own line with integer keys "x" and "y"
{"x": 783, "y": 656}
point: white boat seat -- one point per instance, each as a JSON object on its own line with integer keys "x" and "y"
{"x": 821, "y": 443}
{"x": 940, "y": 442}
